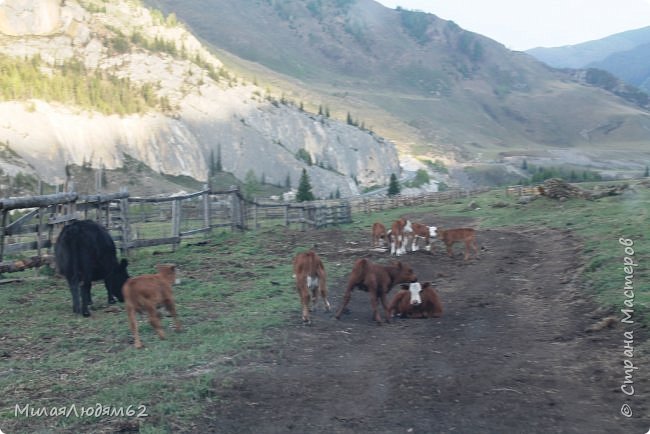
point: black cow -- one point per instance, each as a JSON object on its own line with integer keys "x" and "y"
{"x": 85, "y": 252}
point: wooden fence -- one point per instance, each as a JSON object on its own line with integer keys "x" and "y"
{"x": 520, "y": 190}
{"x": 136, "y": 222}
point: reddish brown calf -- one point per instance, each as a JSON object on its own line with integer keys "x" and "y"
{"x": 377, "y": 280}
{"x": 378, "y": 233}
{"x": 146, "y": 293}
{"x": 310, "y": 273}
{"x": 466, "y": 235}
{"x": 429, "y": 305}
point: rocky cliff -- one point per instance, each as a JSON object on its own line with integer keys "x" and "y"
{"x": 208, "y": 113}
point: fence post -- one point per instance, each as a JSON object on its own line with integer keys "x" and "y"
{"x": 286, "y": 215}
{"x": 176, "y": 221}
{"x": 234, "y": 203}
{"x": 39, "y": 230}
{"x": 237, "y": 209}
{"x": 207, "y": 211}
{"x": 243, "y": 215}
{"x": 124, "y": 222}
{"x": 2, "y": 234}
{"x": 50, "y": 229}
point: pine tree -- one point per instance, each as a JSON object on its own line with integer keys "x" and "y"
{"x": 647, "y": 172}
{"x": 212, "y": 164}
{"x": 251, "y": 184}
{"x": 218, "y": 167}
{"x": 524, "y": 165}
{"x": 287, "y": 181}
{"x": 393, "y": 186}
{"x": 304, "y": 188}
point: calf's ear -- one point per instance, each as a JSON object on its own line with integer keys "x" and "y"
{"x": 425, "y": 285}
{"x": 404, "y": 286}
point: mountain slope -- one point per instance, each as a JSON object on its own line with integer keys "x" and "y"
{"x": 592, "y": 52}
{"x": 432, "y": 87}
{"x": 631, "y": 66}
{"x": 196, "y": 107}
{"x": 625, "y": 55}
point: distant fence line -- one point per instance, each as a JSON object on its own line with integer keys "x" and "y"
{"x": 137, "y": 222}
{"x": 521, "y": 190}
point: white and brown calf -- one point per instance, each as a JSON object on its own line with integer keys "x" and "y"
{"x": 399, "y": 235}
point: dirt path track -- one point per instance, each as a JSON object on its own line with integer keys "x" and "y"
{"x": 510, "y": 355}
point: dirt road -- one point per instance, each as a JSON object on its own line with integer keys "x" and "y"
{"x": 511, "y": 354}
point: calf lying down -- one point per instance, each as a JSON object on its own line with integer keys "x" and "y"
{"x": 145, "y": 293}
{"x": 416, "y": 300}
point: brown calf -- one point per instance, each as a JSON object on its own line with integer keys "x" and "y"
{"x": 466, "y": 235}
{"x": 377, "y": 280}
{"x": 428, "y": 306}
{"x": 378, "y": 233}
{"x": 310, "y": 273}
{"x": 399, "y": 233}
{"x": 146, "y": 293}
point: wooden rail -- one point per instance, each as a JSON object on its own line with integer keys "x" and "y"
{"x": 136, "y": 222}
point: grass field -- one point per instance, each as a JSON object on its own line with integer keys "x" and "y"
{"x": 236, "y": 293}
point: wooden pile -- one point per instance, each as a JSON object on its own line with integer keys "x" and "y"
{"x": 23, "y": 264}
{"x": 611, "y": 190}
{"x": 557, "y": 188}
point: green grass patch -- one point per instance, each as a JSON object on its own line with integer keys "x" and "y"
{"x": 232, "y": 294}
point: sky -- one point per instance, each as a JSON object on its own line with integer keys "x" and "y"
{"x": 525, "y": 24}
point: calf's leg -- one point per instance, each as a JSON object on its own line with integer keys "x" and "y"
{"x": 384, "y": 303}
{"x": 449, "y": 249}
{"x": 373, "y": 305}
{"x": 133, "y": 325}
{"x": 322, "y": 288}
{"x": 304, "y": 300}
{"x": 346, "y": 299}
{"x": 171, "y": 308}
{"x": 154, "y": 320}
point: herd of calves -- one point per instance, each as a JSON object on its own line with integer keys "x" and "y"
{"x": 413, "y": 300}
{"x": 85, "y": 252}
